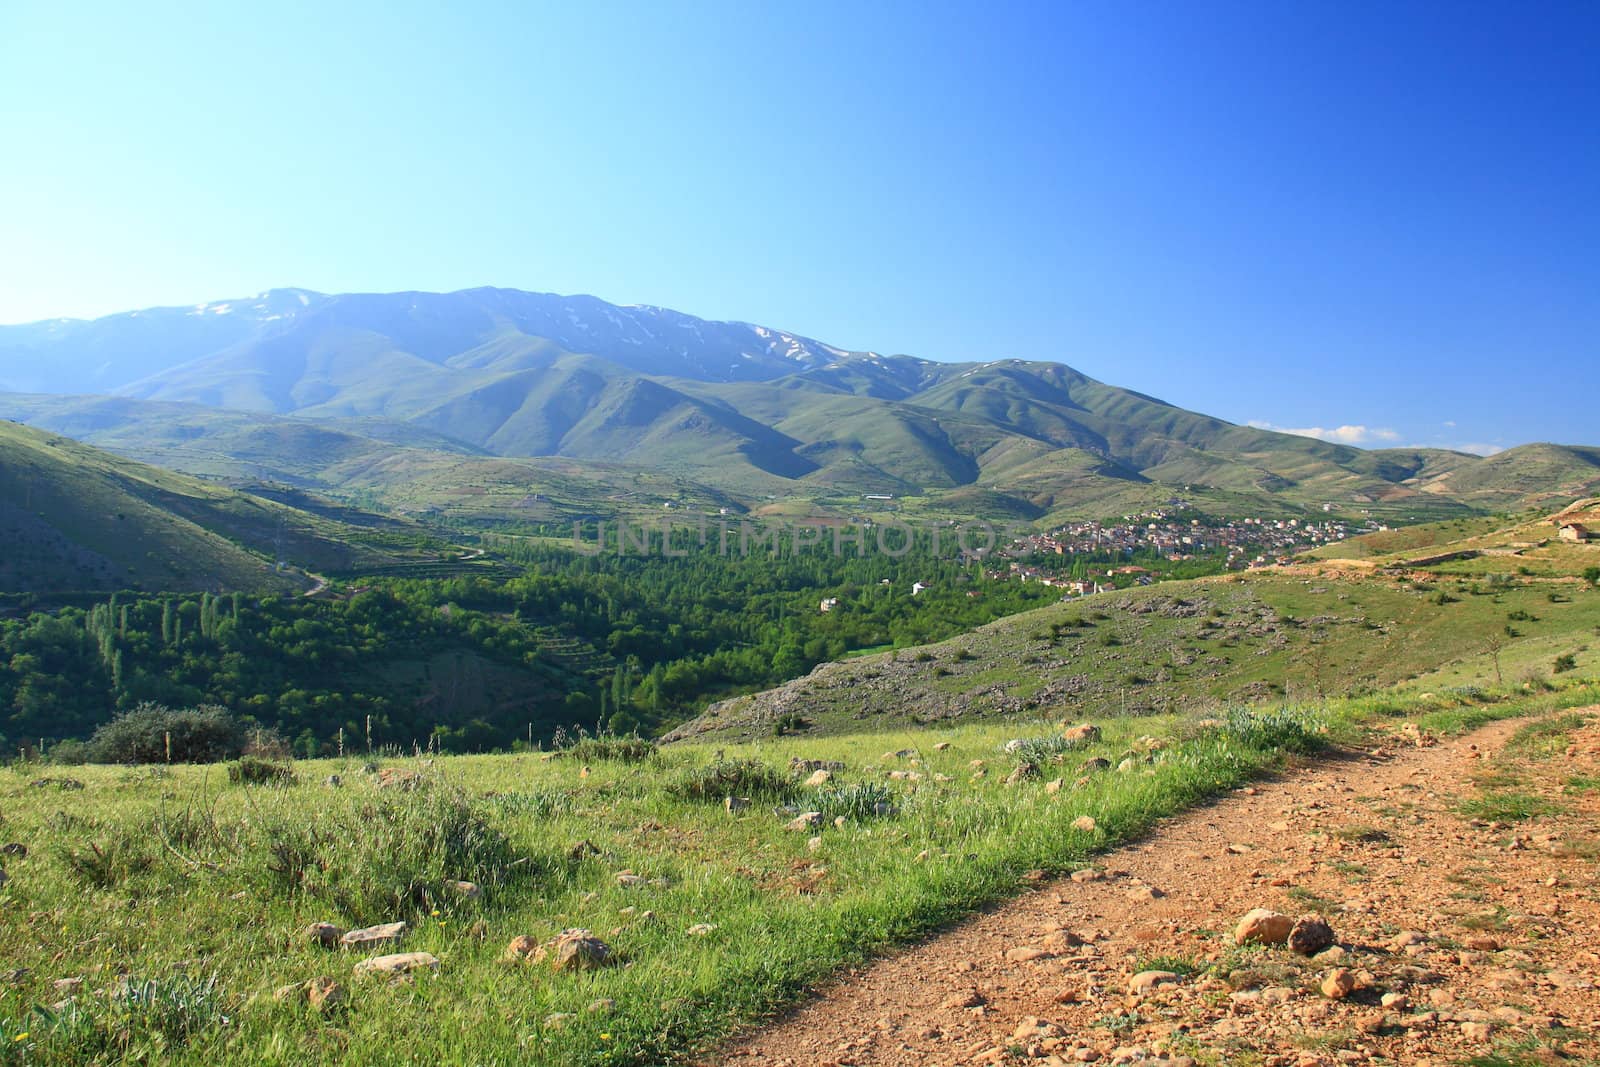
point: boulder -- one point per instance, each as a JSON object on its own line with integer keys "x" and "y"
{"x": 1099, "y": 763}
{"x": 324, "y": 994}
{"x": 1338, "y": 984}
{"x": 1085, "y": 824}
{"x": 385, "y": 934}
{"x": 325, "y": 934}
{"x": 576, "y": 950}
{"x": 395, "y": 778}
{"x": 1146, "y": 982}
{"x": 1263, "y": 927}
{"x": 1309, "y": 935}
{"x": 522, "y": 946}
{"x": 465, "y": 890}
{"x": 398, "y": 965}
{"x": 818, "y": 778}
{"x": 1086, "y": 733}
{"x": 804, "y": 821}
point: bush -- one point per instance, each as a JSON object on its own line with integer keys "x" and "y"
{"x": 139, "y": 1020}
{"x": 1592, "y": 575}
{"x": 389, "y": 858}
{"x": 1041, "y": 750}
{"x": 790, "y": 723}
{"x": 1276, "y": 729}
{"x": 1567, "y": 661}
{"x": 605, "y": 746}
{"x": 732, "y": 778}
{"x": 862, "y": 801}
{"x": 198, "y": 735}
{"x": 251, "y": 770}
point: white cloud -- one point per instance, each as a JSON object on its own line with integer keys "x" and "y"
{"x": 1339, "y": 435}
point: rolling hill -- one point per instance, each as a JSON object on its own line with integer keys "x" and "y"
{"x": 752, "y": 412}
{"x": 78, "y": 519}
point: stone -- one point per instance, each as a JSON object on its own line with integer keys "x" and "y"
{"x": 557, "y": 1019}
{"x": 1053, "y": 786}
{"x": 1146, "y": 982}
{"x": 1338, "y": 984}
{"x": 1309, "y": 935}
{"x": 324, "y": 994}
{"x": 1088, "y": 874}
{"x": 738, "y": 804}
{"x": 465, "y": 890}
{"x": 818, "y": 778}
{"x": 628, "y": 878}
{"x": 395, "y": 778}
{"x": 385, "y": 934}
{"x": 578, "y": 950}
{"x": 700, "y": 929}
{"x": 333, "y": 781}
{"x": 583, "y": 850}
{"x": 1479, "y": 1032}
{"x": 1083, "y": 733}
{"x": 522, "y": 946}
{"x": 1396, "y": 1001}
{"x": 1263, "y": 926}
{"x": 1099, "y": 763}
{"x": 20, "y": 851}
{"x": 1085, "y": 824}
{"x": 398, "y": 965}
{"x": 67, "y": 986}
{"x": 601, "y": 1006}
{"x": 970, "y": 999}
{"x": 325, "y": 934}
{"x": 941, "y": 746}
{"x": 1482, "y": 943}
{"x": 804, "y": 821}
{"x": 1028, "y": 954}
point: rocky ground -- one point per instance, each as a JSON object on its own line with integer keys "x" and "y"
{"x": 1458, "y": 877}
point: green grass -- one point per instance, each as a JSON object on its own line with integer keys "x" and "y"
{"x": 194, "y": 888}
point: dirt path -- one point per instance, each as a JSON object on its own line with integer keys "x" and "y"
{"x": 1464, "y": 936}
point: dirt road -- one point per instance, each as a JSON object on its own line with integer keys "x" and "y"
{"x": 1459, "y": 878}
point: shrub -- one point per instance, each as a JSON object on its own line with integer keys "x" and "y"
{"x": 864, "y": 800}
{"x": 251, "y": 770}
{"x": 105, "y": 866}
{"x": 1592, "y": 575}
{"x": 789, "y": 723}
{"x": 733, "y": 778}
{"x": 386, "y": 859}
{"x": 1040, "y": 750}
{"x": 1284, "y": 729}
{"x": 629, "y": 748}
{"x": 198, "y": 735}
{"x": 1567, "y": 661}
{"x": 139, "y": 1020}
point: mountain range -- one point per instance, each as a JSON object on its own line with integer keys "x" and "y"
{"x": 569, "y": 398}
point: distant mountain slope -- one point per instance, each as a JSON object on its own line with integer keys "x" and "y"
{"x": 75, "y": 519}
{"x": 751, "y": 411}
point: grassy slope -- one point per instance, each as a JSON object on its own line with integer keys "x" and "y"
{"x": 78, "y": 519}
{"x": 192, "y": 887}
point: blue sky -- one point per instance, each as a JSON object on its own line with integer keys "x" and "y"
{"x": 1378, "y": 217}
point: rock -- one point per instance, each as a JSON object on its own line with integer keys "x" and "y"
{"x": 67, "y": 986}
{"x": 1479, "y": 1032}
{"x": 582, "y": 850}
{"x": 601, "y": 1006}
{"x": 1028, "y": 954}
{"x": 628, "y": 878}
{"x": 1146, "y": 982}
{"x": 522, "y": 946}
{"x": 324, "y": 994}
{"x": 1099, "y": 763}
{"x": 1144, "y": 894}
{"x": 1331, "y": 954}
{"x": 578, "y": 950}
{"x": 333, "y": 781}
{"x": 941, "y": 746}
{"x": 1033, "y": 1028}
{"x": 399, "y": 964}
{"x": 20, "y": 851}
{"x": 386, "y": 934}
{"x": 1053, "y": 786}
{"x": 557, "y": 1019}
{"x": 804, "y": 821}
{"x": 738, "y": 804}
{"x": 957, "y": 1001}
{"x": 814, "y": 844}
{"x": 465, "y": 890}
{"x": 289, "y": 992}
{"x": 1309, "y": 935}
{"x": 1083, "y": 733}
{"x": 1263, "y": 926}
{"x": 806, "y": 766}
{"x": 1088, "y": 874}
{"x": 818, "y": 778}
{"x": 700, "y": 930}
{"x": 1338, "y": 984}
{"x": 1023, "y": 772}
{"x": 1482, "y": 943}
{"x": 1407, "y": 938}
{"x": 325, "y": 934}
{"x": 1085, "y": 824}
{"x": 395, "y": 778}
{"x": 1396, "y": 1001}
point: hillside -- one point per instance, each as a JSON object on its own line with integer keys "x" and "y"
{"x": 1439, "y": 610}
{"x": 78, "y": 519}
{"x": 746, "y": 410}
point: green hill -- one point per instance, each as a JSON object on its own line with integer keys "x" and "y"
{"x": 78, "y": 519}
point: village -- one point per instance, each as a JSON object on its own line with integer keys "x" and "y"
{"x": 1084, "y": 548}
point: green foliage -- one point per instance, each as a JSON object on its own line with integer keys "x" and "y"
{"x": 1287, "y": 729}
{"x": 252, "y": 770}
{"x": 1567, "y": 661}
{"x": 604, "y": 746}
{"x": 1051, "y": 748}
{"x": 109, "y": 863}
{"x": 151, "y": 733}
{"x": 724, "y": 778}
{"x": 390, "y": 858}
{"x": 1592, "y": 576}
{"x": 135, "y": 1018}
{"x": 863, "y": 800}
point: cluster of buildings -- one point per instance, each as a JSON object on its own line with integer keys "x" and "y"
{"x": 1243, "y": 542}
